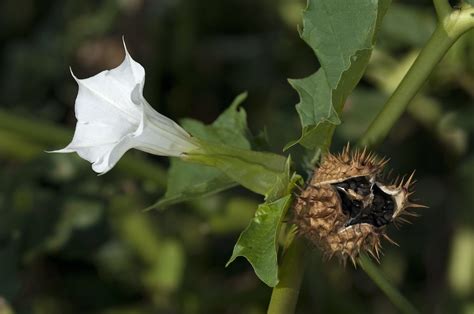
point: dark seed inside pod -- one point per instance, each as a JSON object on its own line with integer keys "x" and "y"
{"x": 377, "y": 212}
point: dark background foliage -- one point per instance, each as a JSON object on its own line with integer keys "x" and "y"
{"x": 72, "y": 242}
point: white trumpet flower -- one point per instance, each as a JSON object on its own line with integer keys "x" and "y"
{"x": 113, "y": 117}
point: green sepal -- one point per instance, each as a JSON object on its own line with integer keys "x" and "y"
{"x": 256, "y": 171}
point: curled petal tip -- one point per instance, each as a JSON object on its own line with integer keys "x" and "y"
{"x": 73, "y": 75}
{"x": 124, "y": 45}
{"x": 59, "y": 151}
{"x": 99, "y": 168}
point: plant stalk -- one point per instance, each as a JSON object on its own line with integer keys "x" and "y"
{"x": 447, "y": 32}
{"x": 285, "y": 294}
{"x": 443, "y": 8}
{"x": 390, "y": 291}
{"x": 452, "y": 24}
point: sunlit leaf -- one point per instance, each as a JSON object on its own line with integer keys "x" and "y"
{"x": 258, "y": 242}
{"x": 341, "y": 34}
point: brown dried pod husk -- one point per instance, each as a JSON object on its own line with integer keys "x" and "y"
{"x": 347, "y": 205}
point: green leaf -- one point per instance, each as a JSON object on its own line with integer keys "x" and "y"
{"x": 229, "y": 128}
{"x": 187, "y": 181}
{"x": 258, "y": 242}
{"x": 342, "y": 34}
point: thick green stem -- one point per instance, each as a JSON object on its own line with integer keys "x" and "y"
{"x": 446, "y": 33}
{"x": 390, "y": 291}
{"x": 443, "y": 8}
{"x": 285, "y": 294}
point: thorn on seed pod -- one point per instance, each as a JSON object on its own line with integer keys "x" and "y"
{"x": 347, "y": 205}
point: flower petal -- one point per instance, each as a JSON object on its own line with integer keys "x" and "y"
{"x": 106, "y": 115}
{"x": 93, "y": 143}
{"x": 110, "y": 92}
{"x": 110, "y": 157}
{"x": 113, "y": 117}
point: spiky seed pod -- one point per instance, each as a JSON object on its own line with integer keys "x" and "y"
{"x": 347, "y": 204}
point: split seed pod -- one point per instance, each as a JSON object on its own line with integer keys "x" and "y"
{"x": 346, "y": 206}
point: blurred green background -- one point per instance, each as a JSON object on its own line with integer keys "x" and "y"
{"x": 73, "y": 242}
